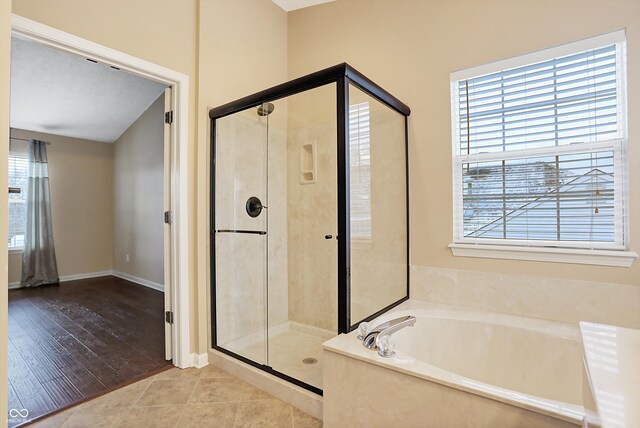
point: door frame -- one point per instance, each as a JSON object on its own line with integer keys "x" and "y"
{"x": 179, "y": 171}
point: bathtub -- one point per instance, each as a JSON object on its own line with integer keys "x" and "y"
{"x": 457, "y": 367}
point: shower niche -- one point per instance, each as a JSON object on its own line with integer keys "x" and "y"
{"x": 309, "y": 218}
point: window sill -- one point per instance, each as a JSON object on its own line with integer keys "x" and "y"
{"x": 15, "y": 250}
{"x": 558, "y": 255}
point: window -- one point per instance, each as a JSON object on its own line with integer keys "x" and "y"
{"x": 360, "y": 162}
{"x": 539, "y": 144}
{"x": 18, "y": 173}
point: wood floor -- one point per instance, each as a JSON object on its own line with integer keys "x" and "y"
{"x": 76, "y": 340}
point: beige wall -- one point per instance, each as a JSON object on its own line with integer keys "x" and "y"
{"x": 5, "y": 57}
{"x": 242, "y": 48}
{"x": 81, "y": 182}
{"x": 138, "y": 197}
{"x": 410, "y": 47}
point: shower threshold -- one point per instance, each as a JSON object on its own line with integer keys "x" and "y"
{"x": 290, "y": 345}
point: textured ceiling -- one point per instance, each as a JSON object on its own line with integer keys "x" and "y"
{"x": 290, "y": 5}
{"x": 65, "y": 94}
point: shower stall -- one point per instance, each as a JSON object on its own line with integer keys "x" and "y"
{"x": 309, "y": 218}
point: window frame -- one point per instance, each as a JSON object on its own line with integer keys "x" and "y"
{"x": 22, "y": 155}
{"x": 355, "y": 235}
{"x": 612, "y": 254}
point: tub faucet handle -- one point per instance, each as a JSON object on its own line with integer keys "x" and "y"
{"x": 363, "y": 329}
{"x": 386, "y": 329}
{"x": 386, "y": 346}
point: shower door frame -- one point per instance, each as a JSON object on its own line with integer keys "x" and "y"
{"x": 343, "y": 75}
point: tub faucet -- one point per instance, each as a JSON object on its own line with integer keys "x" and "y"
{"x": 370, "y": 340}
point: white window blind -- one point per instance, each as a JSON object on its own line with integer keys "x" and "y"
{"x": 360, "y": 162}
{"x": 18, "y": 175}
{"x": 538, "y": 152}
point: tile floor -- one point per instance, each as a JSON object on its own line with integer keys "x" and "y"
{"x": 207, "y": 397}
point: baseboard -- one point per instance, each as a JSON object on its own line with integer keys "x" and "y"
{"x": 87, "y": 275}
{"x": 73, "y": 277}
{"x": 141, "y": 281}
{"x": 200, "y": 360}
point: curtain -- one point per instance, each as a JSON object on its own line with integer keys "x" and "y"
{"x": 39, "y": 256}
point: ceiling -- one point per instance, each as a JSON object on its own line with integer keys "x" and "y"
{"x": 290, "y": 5}
{"x": 64, "y": 94}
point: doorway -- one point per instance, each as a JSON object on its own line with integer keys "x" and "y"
{"x": 172, "y": 308}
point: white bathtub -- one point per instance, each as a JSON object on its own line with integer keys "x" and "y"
{"x": 457, "y": 367}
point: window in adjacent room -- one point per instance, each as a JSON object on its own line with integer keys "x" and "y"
{"x": 18, "y": 173}
{"x": 360, "y": 162}
{"x": 538, "y": 148}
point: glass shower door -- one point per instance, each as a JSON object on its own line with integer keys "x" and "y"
{"x": 303, "y": 227}
{"x": 241, "y": 234}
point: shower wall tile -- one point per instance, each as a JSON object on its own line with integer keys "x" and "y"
{"x": 241, "y": 150}
{"x": 243, "y": 262}
{"x": 277, "y": 219}
{"x": 538, "y": 297}
{"x": 312, "y": 210}
{"x": 240, "y": 286}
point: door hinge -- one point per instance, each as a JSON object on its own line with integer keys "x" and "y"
{"x": 168, "y": 217}
{"x": 168, "y": 117}
{"x": 168, "y": 317}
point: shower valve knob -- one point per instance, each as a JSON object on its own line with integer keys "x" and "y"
{"x": 254, "y": 206}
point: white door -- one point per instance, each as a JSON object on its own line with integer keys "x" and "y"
{"x": 168, "y": 325}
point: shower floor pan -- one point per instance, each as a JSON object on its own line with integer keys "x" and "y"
{"x": 294, "y": 349}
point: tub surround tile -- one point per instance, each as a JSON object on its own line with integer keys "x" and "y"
{"x": 249, "y": 406}
{"x": 352, "y": 398}
{"x": 459, "y": 364}
{"x": 537, "y": 297}
{"x": 612, "y": 356}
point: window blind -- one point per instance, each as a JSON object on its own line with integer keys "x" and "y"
{"x": 18, "y": 176}
{"x": 538, "y": 152}
{"x": 360, "y": 170}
